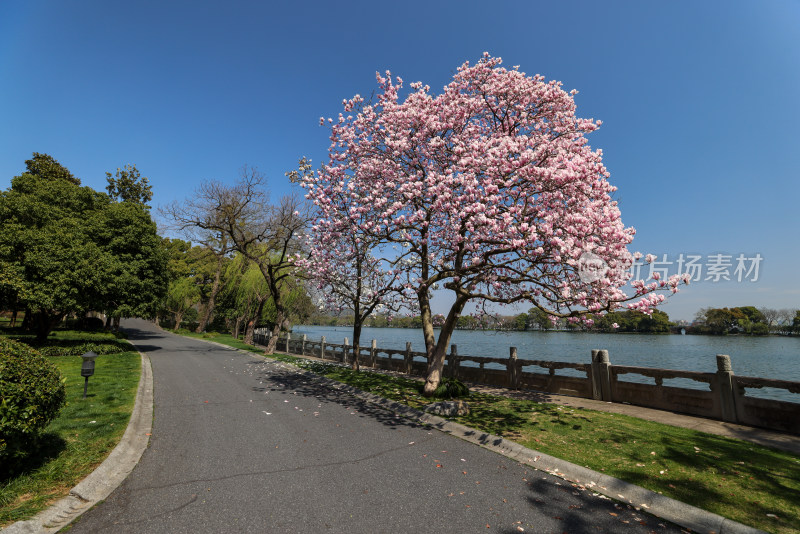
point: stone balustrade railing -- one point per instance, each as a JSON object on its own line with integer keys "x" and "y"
{"x": 724, "y": 396}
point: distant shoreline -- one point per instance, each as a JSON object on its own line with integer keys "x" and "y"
{"x": 676, "y": 331}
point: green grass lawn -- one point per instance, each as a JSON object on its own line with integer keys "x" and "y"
{"x": 225, "y": 339}
{"x": 739, "y": 480}
{"x": 80, "y": 438}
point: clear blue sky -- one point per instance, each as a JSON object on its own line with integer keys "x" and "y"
{"x": 700, "y": 101}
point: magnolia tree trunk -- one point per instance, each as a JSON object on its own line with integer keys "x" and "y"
{"x": 437, "y": 350}
{"x": 436, "y": 357}
{"x": 356, "y": 342}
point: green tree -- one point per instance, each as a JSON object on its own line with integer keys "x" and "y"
{"x": 44, "y": 166}
{"x": 182, "y": 295}
{"x": 128, "y": 185}
{"x": 717, "y": 321}
{"x": 180, "y": 263}
{"x": 136, "y": 260}
{"x": 753, "y": 314}
{"x": 656, "y": 323}
{"x": 721, "y": 321}
{"x": 467, "y": 322}
{"x": 298, "y": 302}
{"x": 244, "y": 280}
{"x": 210, "y": 265}
{"x": 539, "y": 319}
{"x": 69, "y": 248}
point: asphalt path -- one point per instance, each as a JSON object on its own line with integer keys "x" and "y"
{"x": 244, "y": 444}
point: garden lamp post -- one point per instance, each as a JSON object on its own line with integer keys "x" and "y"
{"x": 87, "y": 369}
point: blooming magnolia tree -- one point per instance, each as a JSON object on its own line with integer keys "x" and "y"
{"x": 344, "y": 268}
{"x": 488, "y": 190}
{"x": 348, "y": 277}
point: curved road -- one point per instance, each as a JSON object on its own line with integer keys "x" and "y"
{"x": 244, "y": 444}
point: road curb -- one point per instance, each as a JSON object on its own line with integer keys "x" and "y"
{"x": 677, "y": 512}
{"x": 109, "y": 474}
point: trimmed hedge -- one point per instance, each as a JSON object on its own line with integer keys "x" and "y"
{"x": 72, "y": 349}
{"x": 32, "y": 393}
{"x": 76, "y": 347}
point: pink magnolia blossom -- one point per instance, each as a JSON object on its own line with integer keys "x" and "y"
{"x": 489, "y": 189}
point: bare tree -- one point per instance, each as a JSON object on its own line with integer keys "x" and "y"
{"x": 191, "y": 218}
{"x": 770, "y": 316}
{"x": 269, "y": 235}
{"x": 784, "y": 320}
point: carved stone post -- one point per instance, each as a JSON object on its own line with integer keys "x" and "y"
{"x": 373, "y": 351}
{"x": 407, "y": 358}
{"x": 322, "y": 348}
{"x": 303, "y": 345}
{"x": 452, "y": 362}
{"x": 601, "y": 375}
{"x": 346, "y": 350}
{"x": 725, "y": 388}
{"x": 511, "y": 366}
{"x": 288, "y": 337}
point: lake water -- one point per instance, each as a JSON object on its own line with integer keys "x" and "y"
{"x": 765, "y": 357}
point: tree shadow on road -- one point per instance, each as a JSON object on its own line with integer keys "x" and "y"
{"x": 312, "y": 385}
{"x": 573, "y": 508}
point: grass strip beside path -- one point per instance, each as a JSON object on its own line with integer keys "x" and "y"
{"x": 224, "y": 339}
{"x": 82, "y": 436}
{"x": 736, "y": 479}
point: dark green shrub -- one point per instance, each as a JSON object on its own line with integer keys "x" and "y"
{"x": 451, "y": 388}
{"x": 68, "y": 347}
{"x": 91, "y": 324}
{"x": 31, "y": 395}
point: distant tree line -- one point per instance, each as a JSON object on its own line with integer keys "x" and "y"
{"x": 534, "y": 319}
{"x": 745, "y": 320}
